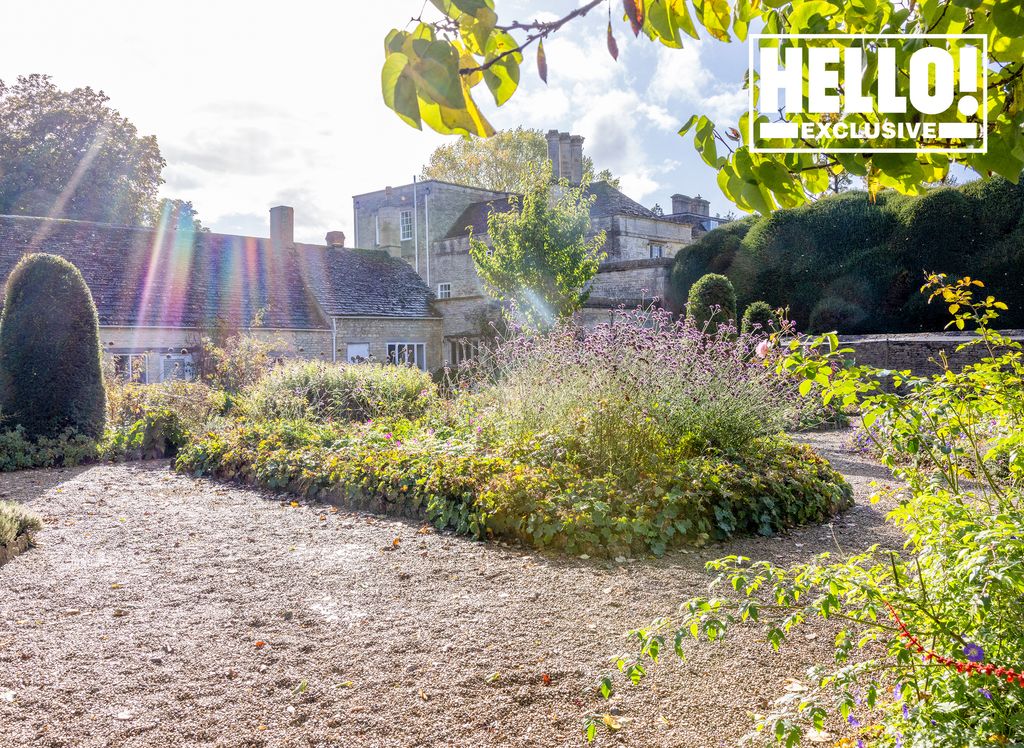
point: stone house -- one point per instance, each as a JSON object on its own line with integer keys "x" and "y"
{"x": 428, "y": 223}
{"x": 157, "y": 291}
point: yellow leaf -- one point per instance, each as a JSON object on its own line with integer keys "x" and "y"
{"x": 611, "y": 723}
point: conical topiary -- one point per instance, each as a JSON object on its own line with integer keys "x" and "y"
{"x": 50, "y": 375}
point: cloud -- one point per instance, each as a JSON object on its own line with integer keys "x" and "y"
{"x": 682, "y": 79}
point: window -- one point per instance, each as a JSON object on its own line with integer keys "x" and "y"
{"x": 444, "y": 290}
{"x": 357, "y": 353}
{"x": 405, "y": 223}
{"x": 408, "y": 354}
{"x": 657, "y": 251}
{"x": 130, "y": 367}
{"x": 463, "y": 349}
{"x": 177, "y": 366}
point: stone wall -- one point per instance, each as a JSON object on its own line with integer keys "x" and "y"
{"x": 630, "y": 281}
{"x": 917, "y": 352}
{"x": 379, "y": 331}
{"x": 630, "y": 238}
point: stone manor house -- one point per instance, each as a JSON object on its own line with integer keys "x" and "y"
{"x": 408, "y": 293}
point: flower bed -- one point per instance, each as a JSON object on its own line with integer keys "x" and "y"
{"x": 17, "y": 527}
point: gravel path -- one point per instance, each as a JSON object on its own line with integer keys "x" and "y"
{"x": 160, "y": 610}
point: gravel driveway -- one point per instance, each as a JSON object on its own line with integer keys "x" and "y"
{"x": 160, "y": 610}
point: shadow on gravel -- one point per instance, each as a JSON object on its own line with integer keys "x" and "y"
{"x": 26, "y": 485}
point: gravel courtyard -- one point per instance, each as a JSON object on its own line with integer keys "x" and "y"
{"x": 159, "y": 610}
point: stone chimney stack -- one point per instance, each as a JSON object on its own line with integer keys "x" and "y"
{"x": 576, "y": 159}
{"x": 282, "y": 227}
{"x": 565, "y": 152}
{"x": 335, "y": 239}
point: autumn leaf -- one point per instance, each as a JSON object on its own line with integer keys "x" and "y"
{"x": 294, "y": 503}
{"x": 493, "y": 677}
{"x": 611, "y": 723}
{"x": 613, "y": 47}
{"x": 635, "y": 14}
{"x": 260, "y": 644}
{"x": 542, "y": 62}
{"x": 545, "y": 679}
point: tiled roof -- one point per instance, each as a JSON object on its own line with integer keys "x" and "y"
{"x": 141, "y": 277}
{"x": 608, "y": 201}
{"x": 475, "y": 217}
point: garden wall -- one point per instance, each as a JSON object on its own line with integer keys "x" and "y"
{"x": 917, "y": 351}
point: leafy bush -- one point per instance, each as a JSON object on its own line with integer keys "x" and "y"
{"x": 339, "y": 392}
{"x": 832, "y": 313}
{"x": 712, "y": 303}
{"x": 18, "y": 452}
{"x": 872, "y": 254}
{"x": 16, "y": 520}
{"x": 637, "y": 436}
{"x": 230, "y": 361}
{"x": 759, "y": 319}
{"x": 50, "y": 377}
{"x": 929, "y": 640}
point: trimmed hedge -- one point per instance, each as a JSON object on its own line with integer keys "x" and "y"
{"x": 51, "y": 380}
{"x": 759, "y": 319}
{"x": 712, "y": 302}
{"x": 846, "y": 263}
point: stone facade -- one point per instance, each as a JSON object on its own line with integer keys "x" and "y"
{"x": 640, "y": 243}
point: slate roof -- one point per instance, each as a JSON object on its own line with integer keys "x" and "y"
{"x": 141, "y": 277}
{"x": 608, "y": 201}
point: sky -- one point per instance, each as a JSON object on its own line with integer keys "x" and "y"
{"x": 256, "y": 104}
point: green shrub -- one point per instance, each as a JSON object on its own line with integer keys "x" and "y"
{"x": 832, "y": 313}
{"x": 50, "y": 376}
{"x": 872, "y": 254}
{"x": 458, "y": 483}
{"x": 712, "y": 302}
{"x": 759, "y": 319}
{"x": 928, "y": 643}
{"x": 16, "y": 520}
{"x": 18, "y": 452}
{"x": 339, "y": 392}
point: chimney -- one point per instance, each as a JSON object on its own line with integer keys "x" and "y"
{"x": 576, "y": 159}
{"x": 282, "y": 227}
{"x": 335, "y": 238}
{"x": 552, "y": 138}
{"x": 564, "y": 157}
{"x": 680, "y": 203}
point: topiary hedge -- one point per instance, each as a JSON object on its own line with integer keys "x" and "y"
{"x": 759, "y": 318}
{"x": 712, "y": 302}
{"x": 849, "y": 262}
{"x": 50, "y": 376}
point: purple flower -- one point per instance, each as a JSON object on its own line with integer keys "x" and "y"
{"x": 906, "y": 712}
{"x": 985, "y": 692}
{"x": 897, "y": 691}
{"x": 974, "y": 652}
{"x": 899, "y": 740}
{"x": 854, "y": 722}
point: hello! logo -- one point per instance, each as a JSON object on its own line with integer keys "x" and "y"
{"x": 853, "y": 93}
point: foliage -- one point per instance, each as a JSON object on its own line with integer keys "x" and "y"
{"x": 759, "y": 319}
{"x": 150, "y": 421}
{"x": 501, "y": 163}
{"x": 231, "y": 360}
{"x": 16, "y": 520}
{"x": 929, "y": 639}
{"x": 339, "y": 392}
{"x": 846, "y": 263}
{"x": 539, "y": 258}
{"x": 712, "y": 302}
{"x": 19, "y": 452}
{"x": 431, "y": 71}
{"x": 178, "y": 215}
{"x": 68, "y": 154}
{"x": 635, "y": 437}
{"x": 50, "y": 376}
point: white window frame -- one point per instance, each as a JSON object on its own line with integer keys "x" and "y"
{"x": 133, "y": 358}
{"x": 657, "y": 251}
{"x": 444, "y": 290}
{"x": 463, "y": 349}
{"x": 349, "y": 356}
{"x": 398, "y": 356}
{"x": 376, "y": 229}
{"x": 169, "y": 361}
{"x": 404, "y": 224}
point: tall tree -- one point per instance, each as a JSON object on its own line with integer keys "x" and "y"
{"x": 539, "y": 256}
{"x": 68, "y": 154}
{"x": 179, "y": 215}
{"x": 501, "y": 163}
